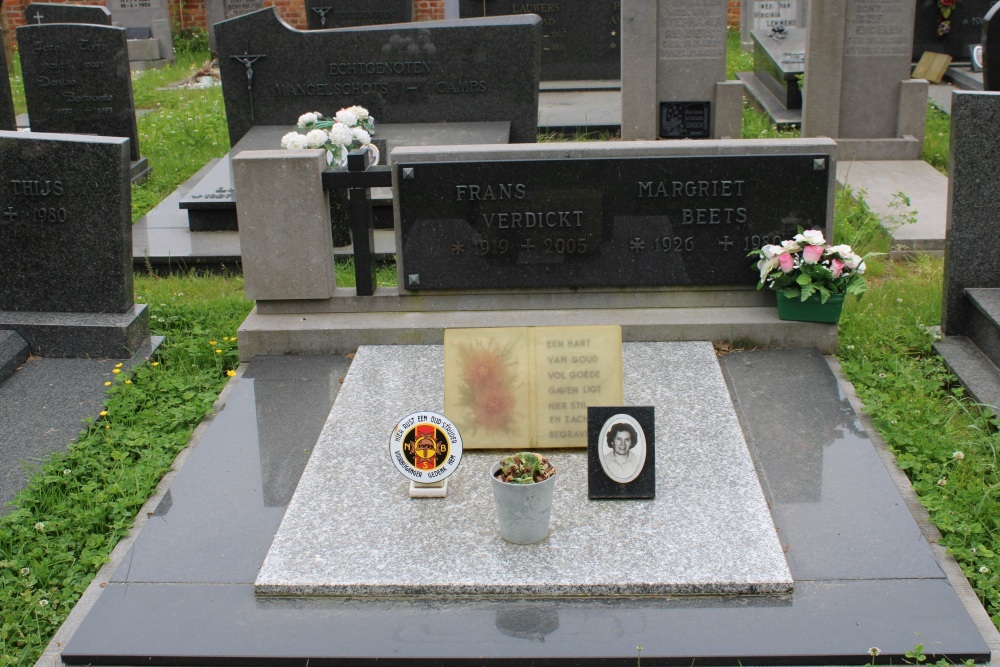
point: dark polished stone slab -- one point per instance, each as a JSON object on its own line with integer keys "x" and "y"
{"x": 581, "y": 40}
{"x": 437, "y": 71}
{"x": 13, "y": 352}
{"x": 56, "y": 334}
{"x": 326, "y": 14}
{"x": 169, "y": 602}
{"x": 65, "y": 222}
{"x": 601, "y": 222}
{"x": 824, "y": 623}
{"x": 52, "y": 12}
{"x": 77, "y": 80}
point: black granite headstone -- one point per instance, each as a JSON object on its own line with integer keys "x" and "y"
{"x": 581, "y": 40}
{"x": 430, "y": 72}
{"x": 613, "y": 222}
{"x": 65, "y": 223}
{"x": 8, "y": 120}
{"x": 323, "y": 14}
{"x": 51, "y": 12}
{"x": 77, "y": 80}
{"x": 991, "y": 48}
{"x": 964, "y": 26}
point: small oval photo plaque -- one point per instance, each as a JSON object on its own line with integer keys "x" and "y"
{"x": 425, "y": 447}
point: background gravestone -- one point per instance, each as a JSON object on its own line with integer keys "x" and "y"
{"x": 991, "y": 48}
{"x": 674, "y": 71}
{"x": 964, "y": 28}
{"x": 66, "y": 275}
{"x": 141, "y": 16}
{"x": 857, "y": 85}
{"x": 768, "y": 14}
{"x": 581, "y": 40}
{"x": 325, "y": 14}
{"x": 220, "y": 10}
{"x": 77, "y": 80}
{"x": 430, "y": 72}
{"x": 51, "y": 12}
{"x": 8, "y": 120}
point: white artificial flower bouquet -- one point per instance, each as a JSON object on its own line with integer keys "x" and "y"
{"x": 349, "y": 129}
{"x": 805, "y": 266}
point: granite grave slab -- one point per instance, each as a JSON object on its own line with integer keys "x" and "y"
{"x": 77, "y": 80}
{"x": 767, "y": 14}
{"x": 326, "y": 14}
{"x": 580, "y": 40}
{"x": 964, "y": 28}
{"x": 688, "y": 542}
{"x": 53, "y": 12}
{"x": 604, "y": 222}
{"x": 779, "y": 63}
{"x": 151, "y": 15}
{"x": 431, "y": 72}
{"x": 65, "y": 214}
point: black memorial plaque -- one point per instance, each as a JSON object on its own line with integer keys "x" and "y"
{"x": 324, "y": 14}
{"x": 621, "y": 453}
{"x": 581, "y": 40}
{"x": 429, "y": 72}
{"x": 65, "y": 223}
{"x": 77, "y": 80}
{"x": 685, "y": 120}
{"x": 991, "y": 49}
{"x": 964, "y": 28}
{"x": 611, "y": 222}
{"x": 52, "y": 12}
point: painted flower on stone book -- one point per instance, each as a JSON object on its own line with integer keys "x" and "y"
{"x": 487, "y": 393}
{"x": 350, "y": 128}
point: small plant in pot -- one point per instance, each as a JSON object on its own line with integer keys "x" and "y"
{"x": 523, "y": 484}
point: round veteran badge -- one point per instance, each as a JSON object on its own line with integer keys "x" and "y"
{"x": 425, "y": 447}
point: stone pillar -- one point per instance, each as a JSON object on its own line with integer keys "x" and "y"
{"x": 284, "y": 219}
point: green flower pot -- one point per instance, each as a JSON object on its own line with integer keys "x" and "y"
{"x": 810, "y": 310}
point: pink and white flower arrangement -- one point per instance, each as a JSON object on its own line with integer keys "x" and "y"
{"x": 805, "y": 265}
{"x": 350, "y": 128}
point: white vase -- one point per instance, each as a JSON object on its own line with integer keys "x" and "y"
{"x": 523, "y": 510}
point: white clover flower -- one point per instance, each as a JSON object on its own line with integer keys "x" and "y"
{"x": 811, "y": 236}
{"x": 67, "y": 472}
{"x": 294, "y": 140}
{"x": 347, "y": 117}
{"x": 361, "y": 136}
{"x": 958, "y": 456}
{"x": 943, "y": 481}
{"x": 874, "y": 651}
{"x": 341, "y": 134}
{"x": 43, "y": 603}
{"x": 307, "y": 119}
{"x": 360, "y": 112}
{"x": 39, "y": 525}
{"x": 25, "y": 571}
{"x": 984, "y": 570}
{"x": 316, "y": 138}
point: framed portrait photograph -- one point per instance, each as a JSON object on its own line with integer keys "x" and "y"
{"x": 621, "y": 447}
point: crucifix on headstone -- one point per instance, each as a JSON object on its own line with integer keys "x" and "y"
{"x": 38, "y": 17}
{"x": 248, "y": 60}
{"x": 322, "y": 11}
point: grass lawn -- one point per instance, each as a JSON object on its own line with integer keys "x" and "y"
{"x": 81, "y": 502}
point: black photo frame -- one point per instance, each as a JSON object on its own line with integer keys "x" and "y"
{"x": 613, "y": 474}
